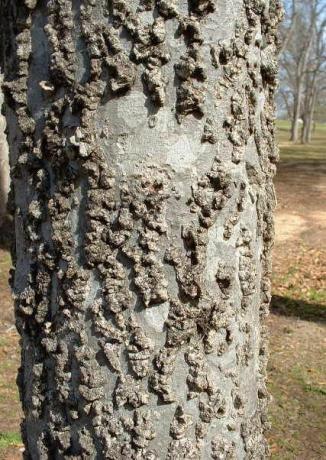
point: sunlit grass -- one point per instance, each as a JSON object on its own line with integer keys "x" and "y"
{"x": 11, "y": 439}
{"x": 314, "y": 152}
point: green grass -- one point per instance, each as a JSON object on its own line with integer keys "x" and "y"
{"x": 10, "y": 439}
{"x": 301, "y": 376}
{"x": 297, "y": 411}
{"x": 315, "y": 295}
{"x": 314, "y": 152}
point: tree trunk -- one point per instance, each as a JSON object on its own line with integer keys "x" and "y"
{"x": 142, "y": 150}
{"x": 297, "y": 106}
{"x": 4, "y": 165}
{"x": 295, "y": 120}
{"x": 308, "y": 118}
{"x": 301, "y": 75}
{"x": 310, "y": 128}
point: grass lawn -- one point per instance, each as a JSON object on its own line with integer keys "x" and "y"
{"x": 314, "y": 152}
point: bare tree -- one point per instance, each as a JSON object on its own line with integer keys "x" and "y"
{"x": 289, "y": 24}
{"x": 301, "y": 48}
{"x": 142, "y": 148}
{"x": 302, "y": 63}
{"x": 315, "y": 76}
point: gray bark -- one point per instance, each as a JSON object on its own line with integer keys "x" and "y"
{"x": 299, "y": 90}
{"x": 142, "y": 148}
{"x": 308, "y": 117}
{"x": 296, "y": 118}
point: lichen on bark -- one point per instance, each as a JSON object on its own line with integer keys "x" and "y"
{"x": 142, "y": 157}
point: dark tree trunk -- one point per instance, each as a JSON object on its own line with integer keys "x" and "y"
{"x": 296, "y": 118}
{"x": 4, "y": 166}
{"x": 308, "y": 118}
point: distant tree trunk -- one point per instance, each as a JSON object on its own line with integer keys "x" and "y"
{"x": 288, "y": 104}
{"x": 300, "y": 62}
{"x": 4, "y": 165}
{"x": 308, "y": 118}
{"x": 297, "y": 105}
{"x": 142, "y": 150}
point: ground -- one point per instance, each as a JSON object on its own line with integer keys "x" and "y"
{"x": 297, "y": 367}
{"x": 10, "y": 443}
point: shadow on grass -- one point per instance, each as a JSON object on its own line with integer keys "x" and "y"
{"x": 289, "y": 159}
{"x": 298, "y": 308}
{"x": 6, "y": 233}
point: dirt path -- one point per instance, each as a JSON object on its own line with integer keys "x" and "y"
{"x": 301, "y": 210}
{"x": 300, "y": 248}
{"x": 297, "y": 366}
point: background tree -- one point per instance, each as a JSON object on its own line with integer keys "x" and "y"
{"x": 142, "y": 148}
{"x": 315, "y": 77}
{"x": 302, "y": 63}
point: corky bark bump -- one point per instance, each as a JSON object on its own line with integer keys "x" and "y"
{"x": 142, "y": 157}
